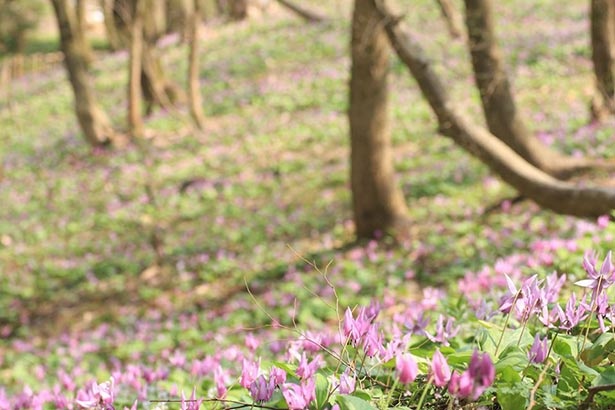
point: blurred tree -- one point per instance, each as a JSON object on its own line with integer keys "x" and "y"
{"x": 178, "y": 14}
{"x": 135, "y": 119}
{"x": 113, "y": 36}
{"x": 194, "y": 89}
{"x": 602, "y": 14}
{"x": 238, "y": 9}
{"x": 81, "y": 12}
{"x": 156, "y": 87}
{"x": 378, "y": 204}
{"x": 512, "y": 167}
{"x": 504, "y": 119}
{"x": 92, "y": 119}
{"x": 17, "y": 19}
{"x": 453, "y": 18}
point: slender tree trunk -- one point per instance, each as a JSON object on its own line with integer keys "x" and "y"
{"x": 135, "y": 119}
{"x": 453, "y": 18}
{"x": 113, "y": 37}
{"x": 378, "y": 204}
{"x": 81, "y": 12}
{"x": 92, "y": 119}
{"x": 503, "y": 117}
{"x": 603, "y": 57}
{"x": 194, "y": 87}
{"x": 531, "y": 182}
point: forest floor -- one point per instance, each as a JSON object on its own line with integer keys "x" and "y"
{"x": 165, "y": 237}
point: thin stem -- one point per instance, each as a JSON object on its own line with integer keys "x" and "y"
{"x": 497, "y": 347}
{"x": 424, "y": 394}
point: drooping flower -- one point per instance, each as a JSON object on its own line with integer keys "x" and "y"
{"x": 299, "y": 397}
{"x": 347, "y": 382}
{"x": 192, "y": 403}
{"x": 306, "y": 369}
{"x": 249, "y": 372}
{"x": 598, "y": 280}
{"x": 475, "y": 380}
{"x": 406, "y": 368}
{"x": 538, "y": 351}
{"x": 440, "y": 371}
{"x": 277, "y": 376}
{"x": 97, "y": 396}
{"x": 261, "y": 390}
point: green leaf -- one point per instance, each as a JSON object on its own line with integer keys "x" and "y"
{"x": 565, "y": 345}
{"x": 322, "y": 391}
{"x": 513, "y": 396}
{"x": 606, "y": 377}
{"x": 511, "y": 337}
{"x": 353, "y": 403}
{"x": 599, "y": 350}
{"x": 514, "y": 358}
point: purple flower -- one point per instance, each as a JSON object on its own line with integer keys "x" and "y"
{"x": 249, "y": 372}
{"x": 347, "y": 382}
{"x": 277, "y": 376}
{"x": 573, "y": 314}
{"x": 261, "y": 390}
{"x": 440, "y": 371}
{"x": 306, "y": 369}
{"x": 98, "y": 395}
{"x": 299, "y": 397}
{"x": 598, "y": 280}
{"x": 406, "y": 368}
{"x": 538, "y": 351}
{"x": 192, "y": 403}
{"x": 474, "y": 381}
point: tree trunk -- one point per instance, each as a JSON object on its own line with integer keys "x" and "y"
{"x": 238, "y": 9}
{"x": 307, "y": 15}
{"x": 194, "y": 88}
{"x": 91, "y": 117}
{"x": 453, "y": 18}
{"x": 81, "y": 12}
{"x": 113, "y": 37}
{"x": 531, "y": 182}
{"x": 603, "y": 57}
{"x": 378, "y": 204}
{"x": 135, "y": 120}
{"x": 503, "y": 118}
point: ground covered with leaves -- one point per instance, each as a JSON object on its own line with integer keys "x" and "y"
{"x": 224, "y": 261}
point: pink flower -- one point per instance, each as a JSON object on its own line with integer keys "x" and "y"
{"x": 261, "y": 390}
{"x": 306, "y": 369}
{"x": 192, "y": 403}
{"x": 347, "y": 382}
{"x": 406, "y": 368}
{"x": 249, "y": 372}
{"x": 474, "y": 381}
{"x": 538, "y": 351}
{"x": 98, "y": 395}
{"x": 299, "y": 397}
{"x": 277, "y": 376}
{"x": 440, "y": 371}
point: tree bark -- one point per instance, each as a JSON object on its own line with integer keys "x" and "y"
{"x": 81, "y": 12}
{"x": 378, "y": 204}
{"x": 92, "y": 119}
{"x": 307, "y": 15}
{"x": 452, "y": 17}
{"x": 135, "y": 119}
{"x": 602, "y": 15}
{"x": 533, "y": 183}
{"x": 113, "y": 37}
{"x": 194, "y": 88}
{"x": 238, "y": 9}
{"x": 503, "y": 118}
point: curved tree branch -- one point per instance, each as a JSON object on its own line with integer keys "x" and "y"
{"x": 533, "y": 183}
{"x": 307, "y": 15}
